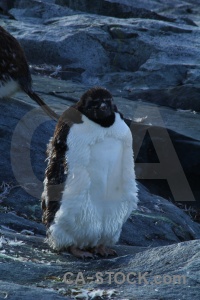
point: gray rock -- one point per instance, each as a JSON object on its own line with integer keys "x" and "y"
{"x": 164, "y": 223}
{"x": 183, "y": 97}
{"x": 113, "y": 8}
{"x": 17, "y": 223}
{"x": 6, "y": 5}
{"x": 21, "y": 292}
{"x": 157, "y": 60}
{"x": 172, "y": 272}
{"x": 28, "y": 267}
{"x": 37, "y": 11}
{"x": 146, "y": 50}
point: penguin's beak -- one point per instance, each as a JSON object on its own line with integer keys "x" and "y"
{"x": 103, "y": 106}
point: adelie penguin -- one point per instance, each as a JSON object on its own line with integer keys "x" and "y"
{"x": 14, "y": 71}
{"x": 89, "y": 188}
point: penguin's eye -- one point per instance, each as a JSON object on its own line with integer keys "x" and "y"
{"x": 96, "y": 103}
{"x": 93, "y": 104}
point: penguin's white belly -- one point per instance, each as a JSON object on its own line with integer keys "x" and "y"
{"x": 105, "y": 171}
{"x": 100, "y": 190}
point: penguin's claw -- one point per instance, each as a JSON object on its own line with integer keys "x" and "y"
{"x": 104, "y": 251}
{"x": 80, "y": 253}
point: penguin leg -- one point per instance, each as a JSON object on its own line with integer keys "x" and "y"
{"x": 77, "y": 252}
{"x": 104, "y": 251}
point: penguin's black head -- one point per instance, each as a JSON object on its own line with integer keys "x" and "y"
{"x": 97, "y": 104}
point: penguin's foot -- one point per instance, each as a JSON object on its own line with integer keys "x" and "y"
{"x": 104, "y": 251}
{"x": 80, "y": 253}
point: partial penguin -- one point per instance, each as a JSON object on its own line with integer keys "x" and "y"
{"x": 14, "y": 71}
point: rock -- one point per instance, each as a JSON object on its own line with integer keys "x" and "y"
{"x": 149, "y": 56}
{"x": 6, "y": 5}
{"x": 146, "y": 54}
{"x": 164, "y": 223}
{"x": 184, "y": 97}
{"x": 113, "y": 8}
{"x": 150, "y": 144}
{"x": 168, "y": 271}
{"x": 18, "y": 292}
{"x": 12, "y": 221}
{"x": 25, "y": 130}
{"x": 36, "y": 11}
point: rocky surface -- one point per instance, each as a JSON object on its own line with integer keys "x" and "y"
{"x": 35, "y": 270}
{"x": 147, "y": 54}
{"x": 152, "y": 53}
{"x": 169, "y": 272}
